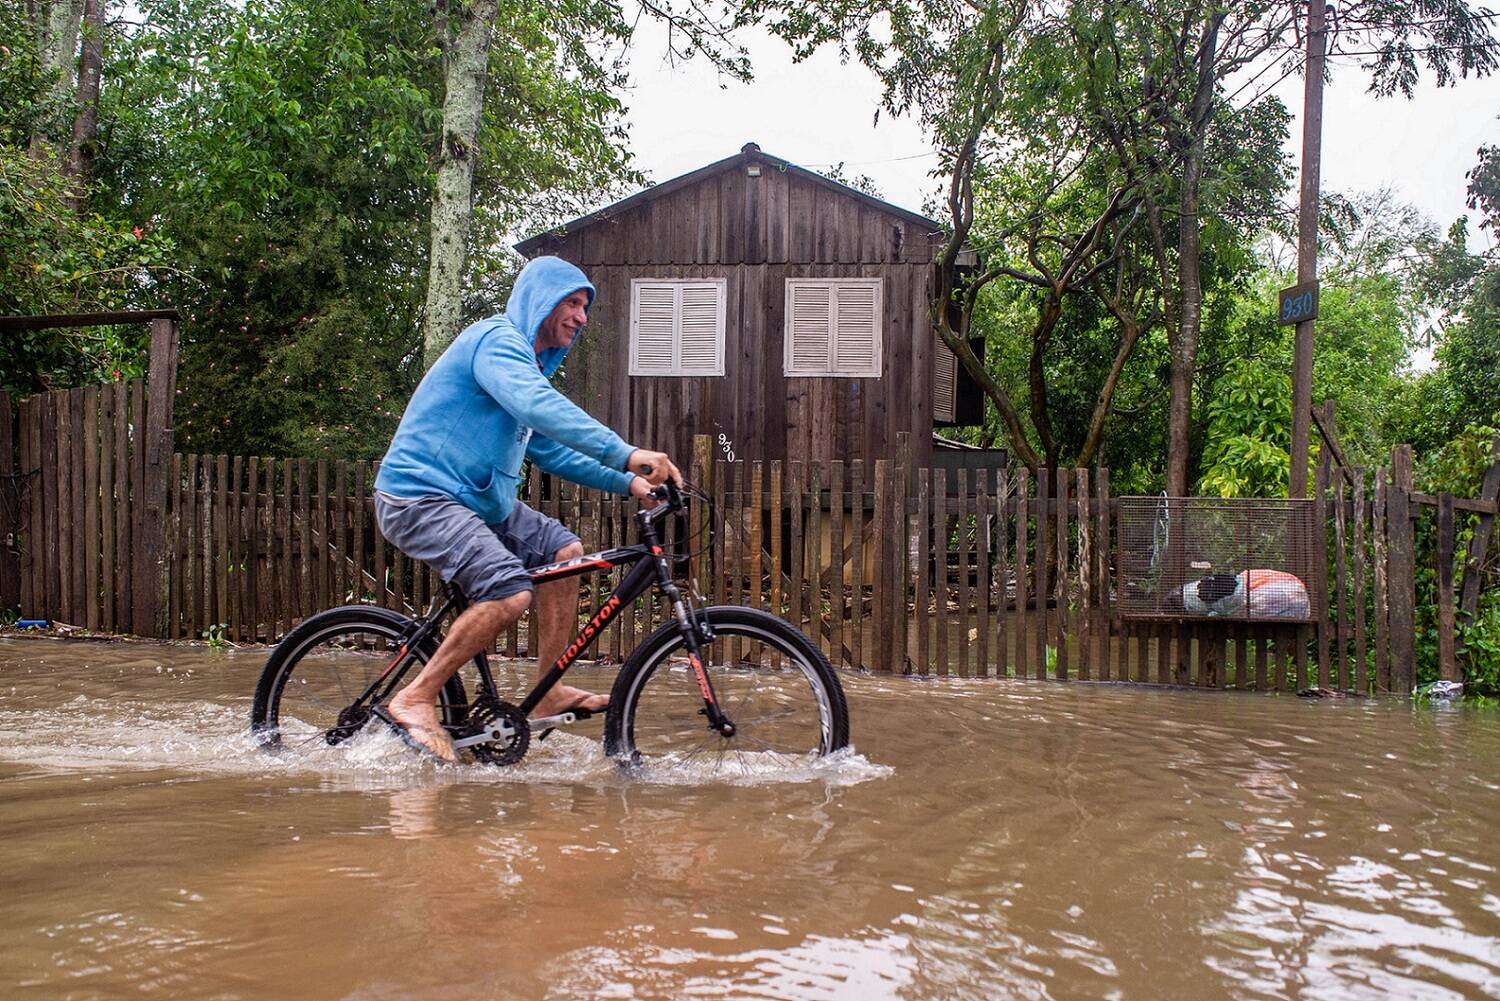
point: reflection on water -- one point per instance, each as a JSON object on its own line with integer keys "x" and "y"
{"x": 987, "y": 840}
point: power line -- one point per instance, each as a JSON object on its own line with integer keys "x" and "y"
{"x": 867, "y": 163}
{"x": 1492, "y": 45}
{"x": 1357, "y": 25}
{"x": 1269, "y": 66}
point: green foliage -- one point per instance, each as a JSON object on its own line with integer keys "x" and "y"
{"x": 1479, "y": 645}
{"x": 1249, "y": 433}
{"x": 20, "y": 80}
{"x": 1463, "y": 289}
{"x": 1458, "y": 467}
{"x": 287, "y": 148}
{"x": 53, "y": 260}
{"x": 217, "y": 635}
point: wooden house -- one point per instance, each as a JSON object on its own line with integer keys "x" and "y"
{"x": 782, "y": 313}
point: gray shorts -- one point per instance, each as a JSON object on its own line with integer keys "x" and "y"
{"x": 487, "y": 561}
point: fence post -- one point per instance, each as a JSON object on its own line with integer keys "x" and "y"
{"x": 900, "y": 542}
{"x": 1401, "y": 579}
{"x": 150, "y": 591}
{"x": 1479, "y": 542}
{"x": 1447, "y": 664}
{"x": 885, "y": 580}
{"x": 1327, "y": 603}
{"x": 701, "y": 474}
{"x": 10, "y": 568}
{"x": 1381, "y": 559}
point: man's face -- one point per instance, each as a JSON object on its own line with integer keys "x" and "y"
{"x": 564, "y": 322}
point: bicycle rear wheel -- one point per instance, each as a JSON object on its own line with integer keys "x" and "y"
{"x": 777, "y": 688}
{"x": 312, "y": 690}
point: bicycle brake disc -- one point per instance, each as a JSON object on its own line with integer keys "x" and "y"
{"x": 497, "y": 732}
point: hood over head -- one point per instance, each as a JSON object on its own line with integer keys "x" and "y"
{"x": 541, "y": 285}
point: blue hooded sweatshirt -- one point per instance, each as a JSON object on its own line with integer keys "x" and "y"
{"x": 487, "y": 403}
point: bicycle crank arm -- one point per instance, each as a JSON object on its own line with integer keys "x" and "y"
{"x": 494, "y": 734}
{"x": 546, "y": 724}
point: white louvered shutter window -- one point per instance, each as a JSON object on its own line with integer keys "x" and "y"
{"x": 944, "y": 382}
{"x": 833, "y": 327}
{"x": 701, "y": 328}
{"x": 677, "y": 327}
{"x": 810, "y": 307}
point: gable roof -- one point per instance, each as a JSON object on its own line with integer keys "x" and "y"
{"x": 749, "y": 153}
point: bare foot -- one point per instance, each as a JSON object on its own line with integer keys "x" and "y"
{"x": 419, "y": 716}
{"x": 565, "y": 697}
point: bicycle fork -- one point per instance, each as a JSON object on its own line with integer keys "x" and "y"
{"x": 690, "y": 639}
{"x": 688, "y": 626}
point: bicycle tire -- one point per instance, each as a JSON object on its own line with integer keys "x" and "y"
{"x": 328, "y": 635}
{"x": 656, "y": 715}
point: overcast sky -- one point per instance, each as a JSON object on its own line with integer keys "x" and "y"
{"x": 821, "y": 112}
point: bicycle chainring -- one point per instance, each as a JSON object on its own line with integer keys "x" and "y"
{"x": 486, "y": 711}
{"x": 351, "y": 721}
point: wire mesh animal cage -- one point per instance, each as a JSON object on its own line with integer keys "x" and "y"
{"x": 1221, "y": 558}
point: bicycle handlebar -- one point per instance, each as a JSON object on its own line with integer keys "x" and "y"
{"x": 670, "y": 493}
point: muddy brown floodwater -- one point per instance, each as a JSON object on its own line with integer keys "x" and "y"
{"x": 987, "y": 840}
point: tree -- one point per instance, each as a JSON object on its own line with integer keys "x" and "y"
{"x": 54, "y": 31}
{"x": 1185, "y": 55}
{"x": 85, "y": 133}
{"x": 1156, "y": 100}
{"x": 1371, "y": 311}
{"x": 466, "y": 40}
{"x": 287, "y": 150}
{"x": 54, "y": 259}
{"x": 1055, "y": 175}
{"x": 570, "y": 32}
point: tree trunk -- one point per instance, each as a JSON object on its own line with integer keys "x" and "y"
{"x": 1184, "y": 347}
{"x": 1041, "y": 417}
{"x": 56, "y": 27}
{"x": 452, "y": 202}
{"x": 86, "y": 125}
{"x": 1094, "y": 440}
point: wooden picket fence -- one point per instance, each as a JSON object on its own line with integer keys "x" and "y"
{"x": 257, "y": 544}
{"x": 994, "y": 573}
{"x": 974, "y": 573}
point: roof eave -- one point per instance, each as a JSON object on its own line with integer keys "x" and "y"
{"x": 750, "y": 154}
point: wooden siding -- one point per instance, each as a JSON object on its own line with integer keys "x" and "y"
{"x": 731, "y": 218}
{"x": 762, "y": 413}
{"x": 755, "y": 233}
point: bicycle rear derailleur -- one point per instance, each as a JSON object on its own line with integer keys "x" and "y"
{"x": 497, "y": 732}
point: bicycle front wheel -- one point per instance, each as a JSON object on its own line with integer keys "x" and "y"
{"x": 773, "y": 684}
{"x": 320, "y": 682}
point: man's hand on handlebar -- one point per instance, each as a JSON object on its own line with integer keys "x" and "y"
{"x": 652, "y": 469}
{"x": 655, "y": 467}
{"x": 641, "y": 489}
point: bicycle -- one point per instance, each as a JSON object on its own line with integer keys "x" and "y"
{"x": 782, "y": 701}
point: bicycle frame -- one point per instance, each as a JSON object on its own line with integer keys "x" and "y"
{"x": 650, "y": 568}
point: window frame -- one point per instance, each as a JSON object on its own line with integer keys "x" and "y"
{"x": 877, "y": 333}
{"x": 721, "y": 286}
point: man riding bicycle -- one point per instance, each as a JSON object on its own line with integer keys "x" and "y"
{"x": 446, "y": 491}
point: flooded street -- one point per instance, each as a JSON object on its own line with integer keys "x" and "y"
{"x": 987, "y": 840}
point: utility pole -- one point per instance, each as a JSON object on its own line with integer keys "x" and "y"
{"x": 1307, "y": 242}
